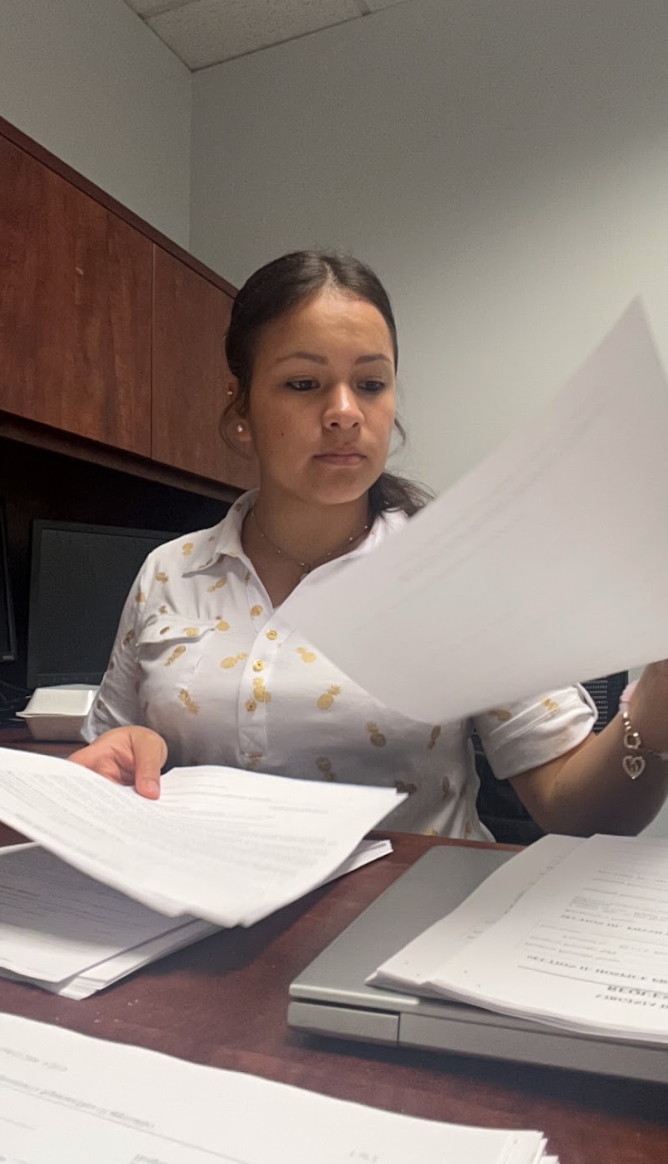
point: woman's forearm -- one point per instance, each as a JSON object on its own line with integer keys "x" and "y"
{"x": 590, "y": 789}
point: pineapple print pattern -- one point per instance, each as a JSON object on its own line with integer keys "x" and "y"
{"x": 176, "y": 654}
{"x": 188, "y": 703}
{"x": 376, "y": 737}
{"x": 324, "y": 766}
{"x": 326, "y": 701}
{"x": 306, "y": 656}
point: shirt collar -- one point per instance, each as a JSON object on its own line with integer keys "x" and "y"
{"x": 225, "y": 538}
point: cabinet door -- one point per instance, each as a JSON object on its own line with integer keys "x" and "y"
{"x": 190, "y": 374}
{"x": 75, "y": 308}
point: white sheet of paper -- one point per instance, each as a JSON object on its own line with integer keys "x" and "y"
{"x": 64, "y": 1096}
{"x": 544, "y": 566}
{"x": 584, "y": 948}
{"x": 364, "y": 854}
{"x": 225, "y": 845}
{"x": 97, "y": 977}
{"x": 414, "y": 967}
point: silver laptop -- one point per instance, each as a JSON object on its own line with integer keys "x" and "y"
{"x": 331, "y": 997}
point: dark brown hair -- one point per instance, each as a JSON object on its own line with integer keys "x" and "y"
{"x": 284, "y": 284}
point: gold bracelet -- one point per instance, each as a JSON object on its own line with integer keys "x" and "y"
{"x": 633, "y": 762}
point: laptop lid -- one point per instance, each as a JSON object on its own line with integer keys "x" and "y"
{"x": 330, "y": 997}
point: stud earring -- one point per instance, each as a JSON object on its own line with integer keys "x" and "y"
{"x": 239, "y": 427}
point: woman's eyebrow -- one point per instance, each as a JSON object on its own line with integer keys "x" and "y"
{"x": 373, "y": 358}
{"x": 302, "y": 356}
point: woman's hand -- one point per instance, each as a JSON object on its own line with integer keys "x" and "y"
{"x": 127, "y": 755}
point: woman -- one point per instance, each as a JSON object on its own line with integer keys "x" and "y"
{"x": 205, "y": 670}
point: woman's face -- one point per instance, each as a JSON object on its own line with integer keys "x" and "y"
{"x": 322, "y": 399}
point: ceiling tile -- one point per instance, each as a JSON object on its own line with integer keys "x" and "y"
{"x": 155, "y": 7}
{"x": 206, "y": 32}
{"x": 376, "y": 5}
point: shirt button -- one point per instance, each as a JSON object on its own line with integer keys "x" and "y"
{"x": 272, "y": 634}
{"x": 251, "y": 705}
{"x": 258, "y": 665}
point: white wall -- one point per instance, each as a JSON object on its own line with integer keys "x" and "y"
{"x": 502, "y": 163}
{"x": 86, "y": 79}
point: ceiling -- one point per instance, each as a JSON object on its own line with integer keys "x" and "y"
{"x": 207, "y": 32}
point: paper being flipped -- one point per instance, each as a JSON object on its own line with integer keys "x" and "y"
{"x": 546, "y": 565}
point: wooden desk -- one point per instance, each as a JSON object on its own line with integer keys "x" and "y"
{"x": 224, "y": 1000}
{"x": 20, "y": 738}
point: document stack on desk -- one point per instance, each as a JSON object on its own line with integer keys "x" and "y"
{"x": 220, "y": 848}
{"x": 72, "y": 935}
{"x": 64, "y": 1096}
{"x": 570, "y": 933}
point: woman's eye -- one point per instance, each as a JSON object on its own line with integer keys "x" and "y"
{"x": 302, "y": 385}
{"x": 372, "y": 385}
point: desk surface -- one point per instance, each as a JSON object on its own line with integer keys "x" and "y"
{"x": 224, "y": 1000}
{"x": 19, "y": 737}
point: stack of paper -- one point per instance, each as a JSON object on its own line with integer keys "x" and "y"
{"x": 571, "y": 933}
{"x": 64, "y": 1096}
{"x": 220, "y": 848}
{"x": 69, "y": 934}
{"x": 226, "y": 845}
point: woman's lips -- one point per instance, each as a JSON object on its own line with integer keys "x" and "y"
{"x": 349, "y": 458}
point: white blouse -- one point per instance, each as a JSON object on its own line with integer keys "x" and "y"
{"x": 203, "y": 658}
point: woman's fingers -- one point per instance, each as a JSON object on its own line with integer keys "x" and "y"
{"x": 132, "y": 755}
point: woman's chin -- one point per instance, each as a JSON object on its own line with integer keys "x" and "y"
{"x": 329, "y": 497}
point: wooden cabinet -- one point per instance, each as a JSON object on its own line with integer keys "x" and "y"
{"x": 110, "y": 334}
{"x": 75, "y": 308}
{"x": 190, "y": 374}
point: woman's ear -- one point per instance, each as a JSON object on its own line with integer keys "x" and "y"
{"x": 234, "y": 427}
{"x": 239, "y": 429}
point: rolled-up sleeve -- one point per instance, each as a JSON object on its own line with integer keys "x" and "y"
{"x": 522, "y": 735}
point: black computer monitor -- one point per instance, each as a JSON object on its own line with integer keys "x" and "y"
{"x": 7, "y": 627}
{"x": 80, "y": 576}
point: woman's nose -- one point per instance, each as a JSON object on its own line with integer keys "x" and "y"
{"x": 342, "y": 410}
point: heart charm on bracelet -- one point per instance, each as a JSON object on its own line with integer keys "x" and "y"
{"x": 634, "y": 766}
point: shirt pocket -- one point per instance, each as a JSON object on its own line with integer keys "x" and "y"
{"x": 172, "y": 647}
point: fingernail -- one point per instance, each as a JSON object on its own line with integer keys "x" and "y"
{"x": 152, "y": 787}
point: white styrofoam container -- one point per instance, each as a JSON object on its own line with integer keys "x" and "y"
{"x": 58, "y": 713}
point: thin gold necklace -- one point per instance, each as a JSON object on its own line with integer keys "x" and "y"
{"x": 306, "y": 567}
